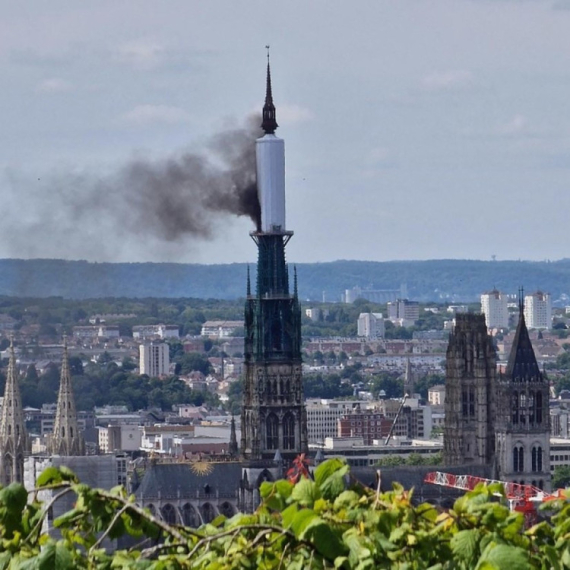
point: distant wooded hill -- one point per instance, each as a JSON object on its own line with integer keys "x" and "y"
{"x": 434, "y": 280}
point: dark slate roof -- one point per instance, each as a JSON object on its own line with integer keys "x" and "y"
{"x": 522, "y": 365}
{"x": 189, "y": 480}
{"x": 413, "y": 477}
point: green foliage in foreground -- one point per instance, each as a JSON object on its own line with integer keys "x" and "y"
{"x": 313, "y": 524}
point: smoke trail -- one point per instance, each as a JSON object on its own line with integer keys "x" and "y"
{"x": 171, "y": 199}
{"x": 180, "y": 196}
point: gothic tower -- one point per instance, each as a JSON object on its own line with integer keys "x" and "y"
{"x": 66, "y": 439}
{"x": 523, "y": 417}
{"x": 273, "y": 413}
{"x": 468, "y": 436}
{"x": 14, "y": 442}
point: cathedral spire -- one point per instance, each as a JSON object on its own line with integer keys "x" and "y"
{"x": 13, "y": 435}
{"x": 65, "y": 439}
{"x": 269, "y": 123}
{"x": 522, "y": 365}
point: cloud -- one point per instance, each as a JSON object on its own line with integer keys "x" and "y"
{"x": 447, "y": 80}
{"x": 379, "y": 154}
{"x": 517, "y": 126}
{"x": 377, "y": 160}
{"x": 141, "y": 55}
{"x": 149, "y": 114}
{"x": 292, "y": 114}
{"x": 54, "y": 85}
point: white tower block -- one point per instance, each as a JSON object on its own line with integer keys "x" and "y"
{"x": 270, "y": 159}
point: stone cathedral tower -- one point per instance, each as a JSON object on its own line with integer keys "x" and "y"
{"x": 66, "y": 439}
{"x": 523, "y": 417}
{"x": 273, "y": 421}
{"x": 468, "y": 437}
{"x": 14, "y": 443}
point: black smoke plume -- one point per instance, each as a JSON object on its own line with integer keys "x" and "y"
{"x": 185, "y": 196}
{"x": 180, "y": 196}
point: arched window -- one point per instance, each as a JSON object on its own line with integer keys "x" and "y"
{"x": 8, "y": 462}
{"x": 168, "y": 514}
{"x": 227, "y": 510}
{"x": 541, "y": 484}
{"x": 531, "y": 408}
{"x": 518, "y": 459}
{"x": 472, "y": 402}
{"x": 207, "y": 489}
{"x": 208, "y": 512}
{"x": 515, "y": 402}
{"x": 190, "y": 516}
{"x": 265, "y": 475}
{"x": 539, "y": 407}
{"x": 62, "y": 431}
{"x": 536, "y": 460}
{"x": 289, "y": 431}
{"x": 272, "y": 430}
{"x": 70, "y": 431}
{"x": 522, "y": 407}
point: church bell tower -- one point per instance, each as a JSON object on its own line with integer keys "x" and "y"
{"x": 273, "y": 421}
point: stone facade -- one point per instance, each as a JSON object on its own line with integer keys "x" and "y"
{"x": 497, "y": 419}
{"x": 66, "y": 439}
{"x": 468, "y": 436}
{"x": 14, "y": 441}
{"x": 523, "y": 416}
{"x": 273, "y": 420}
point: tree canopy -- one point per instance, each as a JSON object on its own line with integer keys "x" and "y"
{"x": 314, "y": 523}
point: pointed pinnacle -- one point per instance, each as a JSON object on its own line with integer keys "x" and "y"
{"x": 269, "y": 123}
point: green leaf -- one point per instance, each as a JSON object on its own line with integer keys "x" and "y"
{"x": 68, "y": 475}
{"x": 302, "y": 520}
{"x": 305, "y": 492}
{"x": 465, "y": 544}
{"x": 49, "y": 476}
{"x": 55, "y": 557}
{"x": 288, "y": 515}
{"x": 505, "y": 557}
{"x": 326, "y": 469}
{"x": 266, "y": 489}
{"x": 15, "y": 497}
{"x": 325, "y": 540}
{"x": 284, "y": 488}
{"x": 334, "y": 485}
{"x": 346, "y": 499}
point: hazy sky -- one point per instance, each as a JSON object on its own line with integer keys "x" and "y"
{"x": 414, "y": 129}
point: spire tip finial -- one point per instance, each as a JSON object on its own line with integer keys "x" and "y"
{"x": 269, "y": 123}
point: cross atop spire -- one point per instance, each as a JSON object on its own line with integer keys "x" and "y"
{"x": 269, "y": 123}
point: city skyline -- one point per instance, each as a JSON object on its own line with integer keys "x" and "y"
{"x": 442, "y": 121}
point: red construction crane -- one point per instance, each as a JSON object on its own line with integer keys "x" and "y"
{"x": 522, "y": 498}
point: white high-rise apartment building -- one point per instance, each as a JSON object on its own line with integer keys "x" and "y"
{"x": 371, "y": 325}
{"x": 154, "y": 359}
{"x": 538, "y": 310}
{"x": 494, "y": 307}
